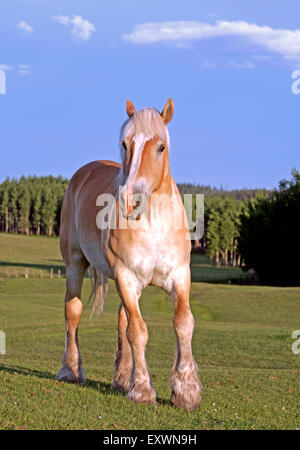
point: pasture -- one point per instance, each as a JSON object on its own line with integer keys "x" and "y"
{"x": 242, "y": 344}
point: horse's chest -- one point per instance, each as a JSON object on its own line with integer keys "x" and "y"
{"x": 153, "y": 261}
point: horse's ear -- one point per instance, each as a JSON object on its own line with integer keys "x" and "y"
{"x": 168, "y": 111}
{"x": 130, "y": 108}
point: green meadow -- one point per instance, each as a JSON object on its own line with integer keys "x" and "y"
{"x": 242, "y": 344}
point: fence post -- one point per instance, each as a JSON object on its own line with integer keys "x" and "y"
{"x": 51, "y": 274}
{"x": 58, "y": 273}
{"x": 2, "y": 343}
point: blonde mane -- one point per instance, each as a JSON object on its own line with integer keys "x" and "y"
{"x": 148, "y": 122}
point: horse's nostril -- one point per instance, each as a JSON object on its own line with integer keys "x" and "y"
{"x": 131, "y": 203}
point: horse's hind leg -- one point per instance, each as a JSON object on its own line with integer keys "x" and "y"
{"x": 123, "y": 358}
{"x": 72, "y": 370}
{"x": 184, "y": 380}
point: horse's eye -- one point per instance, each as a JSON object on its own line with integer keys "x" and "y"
{"x": 124, "y": 146}
{"x": 161, "y": 148}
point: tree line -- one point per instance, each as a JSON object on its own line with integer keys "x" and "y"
{"x": 260, "y": 232}
{"x": 237, "y": 194}
{"x": 255, "y": 229}
{"x": 221, "y": 230}
{"x": 32, "y": 205}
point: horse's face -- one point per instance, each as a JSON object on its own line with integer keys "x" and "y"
{"x": 144, "y": 150}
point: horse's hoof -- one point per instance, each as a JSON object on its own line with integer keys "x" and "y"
{"x": 67, "y": 375}
{"x": 186, "y": 388}
{"x": 141, "y": 393}
{"x": 189, "y": 404}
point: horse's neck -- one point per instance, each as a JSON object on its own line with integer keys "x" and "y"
{"x": 167, "y": 207}
{"x": 166, "y": 186}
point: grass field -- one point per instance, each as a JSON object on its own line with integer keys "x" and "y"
{"x": 242, "y": 344}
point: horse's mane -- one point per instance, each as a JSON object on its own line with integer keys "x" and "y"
{"x": 148, "y": 122}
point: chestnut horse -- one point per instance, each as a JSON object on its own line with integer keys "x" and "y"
{"x": 134, "y": 257}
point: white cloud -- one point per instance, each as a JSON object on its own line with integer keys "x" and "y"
{"x": 25, "y": 27}
{"x": 80, "y": 28}
{"x": 281, "y": 41}
{"x": 5, "y": 67}
{"x": 244, "y": 65}
{"x": 24, "y": 69}
{"x": 64, "y": 20}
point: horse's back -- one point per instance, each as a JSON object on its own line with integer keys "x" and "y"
{"x": 79, "y": 210}
{"x": 100, "y": 172}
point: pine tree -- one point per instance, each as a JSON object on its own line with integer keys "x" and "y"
{"x": 24, "y": 207}
{"x": 12, "y": 207}
{"x": 36, "y": 216}
{"x": 48, "y": 211}
{"x": 4, "y": 199}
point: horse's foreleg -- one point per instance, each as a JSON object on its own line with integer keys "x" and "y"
{"x": 140, "y": 389}
{"x": 71, "y": 370}
{"x": 123, "y": 358}
{"x": 184, "y": 379}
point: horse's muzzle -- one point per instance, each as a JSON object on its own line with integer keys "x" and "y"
{"x": 132, "y": 205}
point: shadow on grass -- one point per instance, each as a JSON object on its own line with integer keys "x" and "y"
{"x": 33, "y": 266}
{"x": 100, "y": 386}
{"x": 103, "y": 388}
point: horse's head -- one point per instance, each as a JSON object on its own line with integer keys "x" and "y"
{"x": 144, "y": 141}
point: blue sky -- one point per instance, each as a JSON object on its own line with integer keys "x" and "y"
{"x": 71, "y": 64}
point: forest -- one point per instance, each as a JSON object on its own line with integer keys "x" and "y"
{"x": 269, "y": 238}
{"x": 32, "y": 205}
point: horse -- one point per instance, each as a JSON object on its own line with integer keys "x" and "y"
{"x": 134, "y": 257}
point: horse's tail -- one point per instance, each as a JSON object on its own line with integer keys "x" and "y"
{"x": 99, "y": 285}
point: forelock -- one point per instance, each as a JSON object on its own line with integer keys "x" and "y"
{"x": 148, "y": 122}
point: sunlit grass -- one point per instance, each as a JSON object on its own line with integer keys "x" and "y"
{"x": 242, "y": 344}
